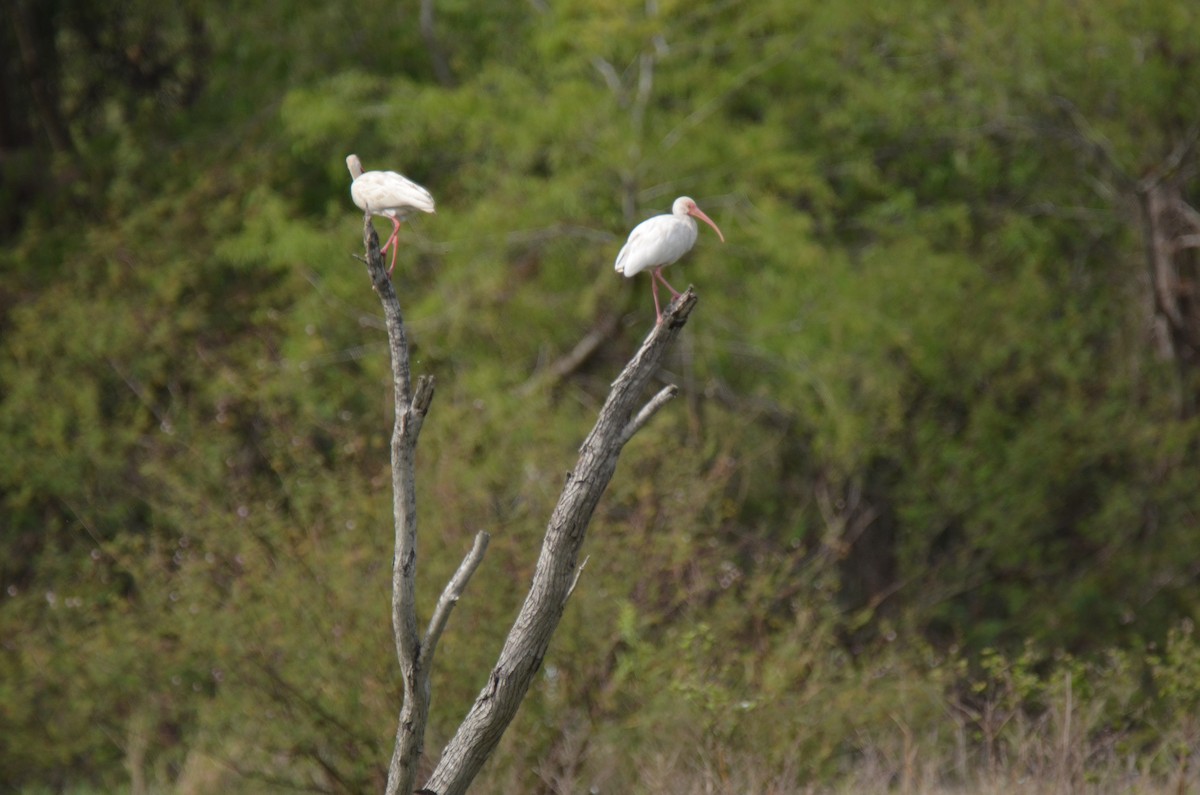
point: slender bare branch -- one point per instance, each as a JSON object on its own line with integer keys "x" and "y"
{"x": 1189, "y": 215}
{"x": 1172, "y": 162}
{"x": 654, "y": 404}
{"x": 575, "y": 579}
{"x": 609, "y": 75}
{"x": 393, "y": 319}
{"x": 410, "y": 414}
{"x": 1093, "y": 138}
{"x": 450, "y": 596}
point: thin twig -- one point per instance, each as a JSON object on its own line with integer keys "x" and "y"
{"x": 575, "y": 579}
{"x": 609, "y": 75}
{"x": 450, "y": 596}
{"x": 653, "y": 405}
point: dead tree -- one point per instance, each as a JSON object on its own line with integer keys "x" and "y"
{"x": 1171, "y": 232}
{"x": 622, "y": 415}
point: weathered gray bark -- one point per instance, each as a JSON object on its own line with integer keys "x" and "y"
{"x": 414, "y": 653}
{"x": 556, "y": 572}
{"x": 554, "y": 577}
{"x": 1171, "y": 231}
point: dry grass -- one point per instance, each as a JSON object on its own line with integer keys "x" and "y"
{"x": 1058, "y": 752}
{"x": 1094, "y": 729}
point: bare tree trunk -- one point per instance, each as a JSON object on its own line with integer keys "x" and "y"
{"x": 1171, "y": 234}
{"x": 556, "y": 572}
{"x": 555, "y": 575}
{"x": 414, "y": 653}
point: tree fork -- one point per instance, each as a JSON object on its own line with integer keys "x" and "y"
{"x": 554, "y": 578}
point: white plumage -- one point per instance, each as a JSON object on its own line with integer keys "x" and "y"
{"x": 657, "y": 242}
{"x": 388, "y": 195}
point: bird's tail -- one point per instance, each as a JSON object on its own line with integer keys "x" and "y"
{"x": 619, "y": 265}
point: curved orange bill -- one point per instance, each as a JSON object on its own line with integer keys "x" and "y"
{"x": 698, "y": 213}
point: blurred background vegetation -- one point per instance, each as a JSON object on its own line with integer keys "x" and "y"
{"x": 927, "y": 515}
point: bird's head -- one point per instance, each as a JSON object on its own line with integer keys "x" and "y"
{"x": 685, "y": 205}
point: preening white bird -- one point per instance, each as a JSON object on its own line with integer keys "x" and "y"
{"x": 657, "y": 242}
{"x": 388, "y": 195}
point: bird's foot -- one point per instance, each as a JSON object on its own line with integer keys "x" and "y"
{"x": 674, "y": 293}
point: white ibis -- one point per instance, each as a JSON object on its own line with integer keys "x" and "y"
{"x": 388, "y": 195}
{"x": 657, "y": 242}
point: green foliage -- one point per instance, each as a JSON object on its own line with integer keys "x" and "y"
{"x": 1176, "y": 671}
{"x": 928, "y": 484}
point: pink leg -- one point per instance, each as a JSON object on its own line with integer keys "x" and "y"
{"x": 394, "y": 242}
{"x": 395, "y": 232}
{"x": 658, "y": 273}
{"x": 654, "y": 289}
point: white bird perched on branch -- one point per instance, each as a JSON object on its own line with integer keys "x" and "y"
{"x": 388, "y": 195}
{"x": 657, "y": 242}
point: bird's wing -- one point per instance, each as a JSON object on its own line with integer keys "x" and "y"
{"x": 656, "y": 241}
{"x": 414, "y": 195}
{"x": 388, "y": 193}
